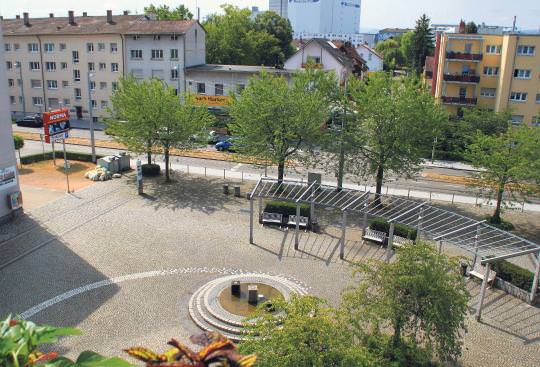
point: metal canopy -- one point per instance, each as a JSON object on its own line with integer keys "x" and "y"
{"x": 477, "y": 237}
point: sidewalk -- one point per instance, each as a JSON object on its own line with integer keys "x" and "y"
{"x": 461, "y": 166}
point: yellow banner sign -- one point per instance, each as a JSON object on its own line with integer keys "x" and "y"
{"x": 212, "y": 101}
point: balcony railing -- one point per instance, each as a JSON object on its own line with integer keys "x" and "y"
{"x": 452, "y": 55}
{"x": 462, "y": 78}
{"x": 459, "y": 100}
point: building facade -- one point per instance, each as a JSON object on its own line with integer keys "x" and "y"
{"x": 355, "y": 39}
{"x": 8, "y": 163}
{"x": 374, "y": 60}
{"x": 324, "y": 16}
{"x": 77, "y": 62}
{"x": 500, "y": 72}
{"x": 279, "y": 6}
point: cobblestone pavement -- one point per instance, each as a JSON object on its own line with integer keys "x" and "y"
{"x": 122, "y": 268}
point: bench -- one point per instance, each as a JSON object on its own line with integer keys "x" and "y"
{"x": 303, "y": 222}
{"x": 401, "y": 241}
{"x": 479, "y": 271}
{"x": 272, "y": 218}
{"x": 373, "y": 235}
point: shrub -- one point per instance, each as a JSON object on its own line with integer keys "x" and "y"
{"x": 286, "y": 208}
{"x": 514, "y": 274}
{"x": 75, "y": 156}
{"x": 380, "y": 224}
{"x": 18, "y": 142}
{"x": 503, "y": 225}
{"x": 150, "y": 170}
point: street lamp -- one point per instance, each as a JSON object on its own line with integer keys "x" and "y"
{"x": 89, "y": 75}
{"x": 19, "y": 66}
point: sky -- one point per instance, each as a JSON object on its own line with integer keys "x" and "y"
{"x": 376, "y": 14}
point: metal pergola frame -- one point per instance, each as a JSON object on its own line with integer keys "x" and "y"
{"x": 485, "y": 243}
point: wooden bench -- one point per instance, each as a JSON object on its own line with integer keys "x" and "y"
{"x": 401, "y": 241}
{"x": 373, "y": 235}
{"x": 479, "y": 271}
{"x": 304, "y": 221}
{"x": 272, "y": 218}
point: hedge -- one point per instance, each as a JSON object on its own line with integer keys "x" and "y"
{"x": 286, "y": 208}
{"x": 150, "y": 170}
{"x": 380, "y": 224}
{"x": 74, "y": 156}
{"x": 514, "y": 274}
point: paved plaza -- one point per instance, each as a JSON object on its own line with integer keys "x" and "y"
{"x": 123, "y": 267}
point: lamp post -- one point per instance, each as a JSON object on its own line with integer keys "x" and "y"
{"x": 433, "y": 150}
{"x": 19, "y": 66}
{"x": 89, "y": 75}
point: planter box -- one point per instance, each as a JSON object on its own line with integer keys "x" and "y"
{"x": 514, "y": 291}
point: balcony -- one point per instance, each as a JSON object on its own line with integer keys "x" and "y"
{"x": 460, "y": 56}
{"x": 461, "y": 101}
{"x": 463, "y": 78}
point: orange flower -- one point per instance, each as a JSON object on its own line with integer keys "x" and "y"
{"x": 13, "y": 322}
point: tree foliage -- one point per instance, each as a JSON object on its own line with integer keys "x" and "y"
{"x": 163, "y": 12}
{"x": 510, "y": 161}
{"x": 420, "y": 297}
{"x": 273, "y": 119}
{"x": 235, "y": 38}
{"x": 393, "y": 57}
{"x": 471, "y": 28}
{"x": 422, "y": 43}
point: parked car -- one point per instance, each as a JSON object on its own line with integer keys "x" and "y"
{"x": 34, "y": 120}
{"x": 225, "y": 145}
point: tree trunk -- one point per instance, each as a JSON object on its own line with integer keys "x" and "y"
{"x": 378, "y": 185}
{"x": 496, "y": 218}
{"x": 149, "y": 152}
{"x": 166, "y": 151}
{"x": 341, "y": 168}
{"x": 281, "y": 170}
{"x": 396, "y": 338}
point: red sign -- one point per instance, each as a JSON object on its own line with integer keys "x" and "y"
{"x": 56, "y": 124}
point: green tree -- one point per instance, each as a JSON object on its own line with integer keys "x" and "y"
{"x": 509, "y": 162}
{"x": 398, "y": 118}
{"x": 303, "y": 332}
{"x": 274, "y": 119}
{"x": 406, "y": 47}
{"x": 423, "y": 43}
{"x": 420, "y": 297}
{"x": 471, "y": 28}
{"x": 163, "y": 12}
{"x": 280, "y": 28}
{"x": 392, "y": 53}
{"x": 18, "y": 143}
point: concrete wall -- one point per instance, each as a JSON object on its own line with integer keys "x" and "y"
{"x": 313, "y": 49}
{"x": 7, "y": 153}
{"x": 324, "y": 16}
{"x": 229, "y": 80}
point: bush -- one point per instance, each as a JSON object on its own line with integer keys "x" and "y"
{"x": 380, "y": 224}
{"x": 514, "y": 274}
{"x": 75, "y": 156}
{"x": 150, "y": 170}
{"x": 18, "y": 142}
{"x": 503, "y": 225}
{"x": 286, "y": 208}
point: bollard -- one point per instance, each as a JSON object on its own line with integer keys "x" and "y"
{"x": 204, "y": 171}
{"x": 409, "y": 193}
{"x": 453, "y": 198}
{"x": 226, "y": 189}
{"x": 237, "y": 191}
{"x": 187, "y": 169}
{"x": 235, "y": 288}
{"x": 253, "y": 294}
{"x": 223, "y": 173}
{"x": 242, "y": 176}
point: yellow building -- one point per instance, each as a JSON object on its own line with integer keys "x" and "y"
{"x": 499, "y": 72}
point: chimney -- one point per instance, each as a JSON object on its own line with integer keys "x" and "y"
{"x": 26, "y": 19}
{"x": 71, "y": 17}
{"x": 109, "y": 16}
{"x": 84, "y": 14}
{"x": 51, "y": 15}
{"x": 17, "y": 16}
{"x": 462, "y": 26}
{"x": 126, "y": 12}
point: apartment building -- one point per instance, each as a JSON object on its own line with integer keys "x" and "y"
{"x": 76, "y": 62}
{"x": 494, "y": 71}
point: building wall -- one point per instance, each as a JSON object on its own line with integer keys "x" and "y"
{"x": 231, "y": 81}
{"x": 374, "y": 62}
{"x": 327, "y": 61}
{"x": 279, "y": 6}
{"x": 324, "y": 16}
{"x": 7, "y": 153}
{"x": 356, "y": 39}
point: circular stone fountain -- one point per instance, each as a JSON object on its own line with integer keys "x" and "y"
{"x": 215, "y": 307}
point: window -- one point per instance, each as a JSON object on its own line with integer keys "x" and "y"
{"x": 218, "y": 89}
{"x": 89, "y": 47}
{"x": 7, "y": 46}
{"x": 67, "y": 102}
{"x": 137, "y": 73}
{"x": 174, "y": 54}
{"x": 37, "y": 101}
{"x": 9, "y": 65}
{"x": 53, "y": 102}
{"x": 52, "y": 84}
{"x": 201, "y": 88}
{"x": 91, "y": 66}
{"x": 75, "y": 55}
{"x": 77, "y": 75}
{"x": 488, "y": 92}
{"x": 114, "y": 67}
{"x": 240, "y": 88}
{"x": 313, "y": 60}
{"x": 34, "y": 65}
{"x": 33, "y": 47}
{"x": 101, "y": 46}
{"x": 104, "y": 104}
{"x": 95, "y": 119}
{"x": 49, "y": 47}
{"x": 78, "y": 93}
{"x": 525, "y": 50}
{"x": 538, "y": 98}
{"x": 65, "y": 84}
{"x": 11, "y": 82}
{"x": 174, "y": 37}
{"x": 491, "y": 71}
{"x": 114, "y": 86}
{"x": 174, "y": 74}
{"x": 92, "y": 85}
{"x": 114, "y": 48}
{"x": 62, "y": 46}
{"x": 12, "y": 99}
{"x": 50, "y": 66}
{"x": 493, "y": 49}
{"x": 516, "y": 119}
{"x": 522, "y": 74}
{"x": 518, "y": 97}
{"x": 136, "y": 54}
{"x": 536, "y": 121}
{"x": 158, "y": 74}
{"x": 16, "y": 46}
{"x": 102, "y": 66}
{"x": 93, "y": 103}
{"x": 63, "y": 65}
{"x": 102, "y": 85}
{"x": 157, "y": 37}
{"x": 157, "y": 54}
{"x": 35, "y": 83}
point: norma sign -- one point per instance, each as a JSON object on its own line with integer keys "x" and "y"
{"x": 56, "y": 124}
{"x": 8, "y": 177}
{"x": 212, "y": 101}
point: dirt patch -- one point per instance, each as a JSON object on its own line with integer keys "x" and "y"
{"x": 46, "y": 175}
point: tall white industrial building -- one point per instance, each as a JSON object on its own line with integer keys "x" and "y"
{"x": 279, "y": 6}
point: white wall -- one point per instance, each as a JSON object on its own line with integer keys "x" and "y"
{"x": 314, "y": 49}
{"x": 210, "y": 79}
{"x": 374, "y": 62}
{"x": 325, "y": 16}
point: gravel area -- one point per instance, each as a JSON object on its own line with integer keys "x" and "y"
{"x": 134, "y": 262}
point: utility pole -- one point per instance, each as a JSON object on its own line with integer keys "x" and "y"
{"x": 433, "y": 149}
{"x": 341, "y": 167}
{"x": 92, "y": 139}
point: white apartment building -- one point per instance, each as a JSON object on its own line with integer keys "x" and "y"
{"x": 324, "y": 16}
{"x": 374, "y": 60}
{"x": 355, "y": 39}
{"x": 76, "y": 62}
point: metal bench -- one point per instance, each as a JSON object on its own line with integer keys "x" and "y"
{"x": 373, "y": 235}
{"x": 401, "y": 241}
{"x": 303, "y": 222}
{"x": 479, "y": 271}
{"x": 272, "y": 218}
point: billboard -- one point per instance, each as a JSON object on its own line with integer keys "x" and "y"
{"x": 8, "y": 177}
{"x": 56, "y": 124}
{"x": 212, "y": 101}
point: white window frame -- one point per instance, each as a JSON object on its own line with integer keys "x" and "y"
{"x": 11, "y": 82}
{"x": 218, "y": 89}
{"x": 114, "y": 67}
{"x": 493, "y": 49}
{"x": 52, "y": 84}
{"x": 63, "y": 65}
{"x": 37, "y": 101}
{"x": 50, "y": 63}
{"x": 91, "y": 66}
{"x": 9, "y": 65}
{"x": 76, "y": 75}
{"x": 34, "y": 63}
{"x": 75, "y": 57}
{"x": 114, "y": 86}
{"x": 484, "y": 95}
{"x": 518, "y": 97}
{"x": 201, "y": 86}
{"x": 516, "y": 119}
{"x": 174, "y": 74}
{"x": 7, "y": 46}
{"x": 530, "y": 50}
{"x": 538, "y": 98}
{"x": 102, "y": 66}
{"x": 174, "y": 53}
{"x": 35, "y": 85}
{"x": 33, "y": 47}
{"x": 114, "y": 47}
{"x": 66, "y": 102}
{"x": 101, "y": 46}
{"x": 525, "y": 73}
{"x": 48, "y": 47}
{"x": 89, "y": 47}
{"x": 493, "y": 71}
{"x": 93, "y": 103}
{"x": 136, "y": 54}
{"x": 78, "y": 93}
{"x": 157, "y": 54}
